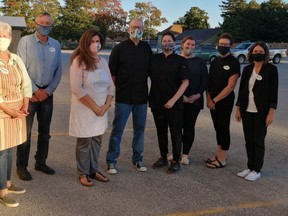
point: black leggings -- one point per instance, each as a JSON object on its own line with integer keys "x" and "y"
{"x": 191, "y": 112}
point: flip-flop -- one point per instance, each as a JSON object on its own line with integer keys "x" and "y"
{"x": 215, "y": 166}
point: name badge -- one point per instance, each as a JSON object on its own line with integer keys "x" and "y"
{"x": 52, "y": 49}
{"x": 226, "y": 67}
{"x": 258, "y": 77}
{"x": 4, "y": 70}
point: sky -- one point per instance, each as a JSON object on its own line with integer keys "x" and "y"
{"x": 174, "y": 9}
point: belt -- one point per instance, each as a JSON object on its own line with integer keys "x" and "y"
{"x": 42, "y": 87}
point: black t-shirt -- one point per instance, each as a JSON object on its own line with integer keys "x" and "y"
{"x": 221, "y": 69}
{"x": 166, "y": 77}
{"x": 130, "y": 65}
{"x": 198, "y": 81}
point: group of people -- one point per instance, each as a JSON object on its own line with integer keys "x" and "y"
{"x": 178, "y": 83}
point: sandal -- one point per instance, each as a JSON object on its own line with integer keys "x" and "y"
{"x": 210, "y": 160}
{"x": 100, "y": 177}
{"x": 85, "y": 180}
{"x": 214, "y": 165}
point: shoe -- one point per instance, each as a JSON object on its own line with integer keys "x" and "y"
{"x": 215, "y": 164}
{"x": 111, "y": 169}
{"x": 170, "y": 157}
{"x": 244, "y": 173}
{"x": 23, "y": 174}
{"x": 100, "y": 177}
{"x": 15, "y": 190}
{"x": 184, "y": 160}
{"x": 139, "y": 165}
{"x": 161, "y": 162}
{"x": 174, "y": 167}
{"x": 9, "y": 201}
{"x": 44, "y": 168}
{"x": 85, "y": 181}
{"x": 252, "y": 176}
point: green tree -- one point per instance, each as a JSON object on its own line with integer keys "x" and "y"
{"x": 15, "y": 7}
{"x": 76, "y": 18}
{"x": 151, "y": 17}
{"x": 195, "y": 18}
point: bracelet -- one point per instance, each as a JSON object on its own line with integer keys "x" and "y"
{"x": 213, "y": 101}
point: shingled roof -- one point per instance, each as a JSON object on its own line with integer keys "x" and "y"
{"x": 200, "y": 35}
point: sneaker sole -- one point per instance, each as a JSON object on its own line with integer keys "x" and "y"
{"x": 112, "y": 173}
{"x": 10, "y": 205}
{"x": 16, "y": 192}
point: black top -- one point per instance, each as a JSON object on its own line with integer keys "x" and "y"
{"x": 221, "y": 69}
{"x": 265, "y": 90}
{"x": 130, "y": 65}
{"x": 166, "y": 77}
{"x": 198, "y": 82}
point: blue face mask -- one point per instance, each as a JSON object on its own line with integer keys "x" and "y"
{"x": 43, "y": 30}
{"x": 136, "y": 34}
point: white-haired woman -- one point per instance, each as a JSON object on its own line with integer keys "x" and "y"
{"x": 15, "y": 91}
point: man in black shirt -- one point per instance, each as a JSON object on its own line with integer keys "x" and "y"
{"x": 129, "y": 65}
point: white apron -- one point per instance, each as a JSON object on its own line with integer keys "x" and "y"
{"x": 83, "y": 121}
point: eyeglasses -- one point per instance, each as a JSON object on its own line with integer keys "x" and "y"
{"x": 224, "y": 44}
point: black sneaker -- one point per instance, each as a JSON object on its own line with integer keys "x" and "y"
{"x": 161, "y": 162}
{"x": 44, "y": 168}
{"x": 23, "y": 174}
{"x": 174, "y": 167}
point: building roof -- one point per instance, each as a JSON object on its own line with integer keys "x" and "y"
{"x": 14, "y": 22}
{"x": 175, "y": 29}
{"x": 200, "y": 35}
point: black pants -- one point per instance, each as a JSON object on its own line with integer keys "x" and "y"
{"x": 174, "y": 119}
{"x": 255, "y": 131}
{"x": 191, "y": 112}
{"x": 221, "y": 120}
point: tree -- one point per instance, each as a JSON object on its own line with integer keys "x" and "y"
{"x": 195, "y": 18}
{"x": 150, "y": 15}
{"x": 15, "y": 7}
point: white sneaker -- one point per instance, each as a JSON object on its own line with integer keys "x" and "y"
{"x": 111, "y": 169}
{"x": 170, "y": 157}
{"x": 252, "y": 176}
{"x": 244, "y": 173}
{"x": 140, "y": 166}
{"x": 184, "y": 160}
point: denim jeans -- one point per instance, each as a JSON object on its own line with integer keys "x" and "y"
{"x": 44, "y": 111}
{"x": 122, "y": 112}
{"x": 5, "y": 167}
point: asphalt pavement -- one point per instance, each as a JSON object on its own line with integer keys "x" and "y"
{"x": 195, "y": 190}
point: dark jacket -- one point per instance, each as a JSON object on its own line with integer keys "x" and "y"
{"x": 265, "y": 90}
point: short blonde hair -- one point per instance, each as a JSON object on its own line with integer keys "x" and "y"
{"x": 5, "y": 27}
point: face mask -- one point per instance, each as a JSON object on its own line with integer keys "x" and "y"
{"x": 188, "y": 51}
{"x": 136, "y": 34}
{"x": 95, "y": 47}
{"x": 223, "y": 50}
{"x": 4, "y": 44}
{"x": 43, "y": 30}
{"x": 258, "y": 57}
{"x": 168, "y": 47}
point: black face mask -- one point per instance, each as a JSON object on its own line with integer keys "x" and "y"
{"x": 258, "y": 57}
{"x": 223, "y": 50}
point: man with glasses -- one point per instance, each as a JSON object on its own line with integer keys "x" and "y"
{"x": 129, "y": 64}
{"x": 41, "y": 55}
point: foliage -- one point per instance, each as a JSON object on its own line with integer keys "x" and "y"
{"x": 251, "y": 21}
{"x": 195, "y": 18}
{"x": 150, "y": 15}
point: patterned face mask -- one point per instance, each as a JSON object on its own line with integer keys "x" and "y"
{"x": 136, "y": 34}
{"x": 4, "y": 43}
{"x": 187, "y": 51}
{"x": 168, "y": 47}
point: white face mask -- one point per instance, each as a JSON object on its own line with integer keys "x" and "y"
{"x": 136, "y": 34}
{"x": 95, "y": 47}
{"x": 4, "y": 43}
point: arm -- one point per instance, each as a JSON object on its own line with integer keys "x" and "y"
{"x": 178, "y": 94}
{"x": 225, "y": 92}
{"x": 273, "y": 96}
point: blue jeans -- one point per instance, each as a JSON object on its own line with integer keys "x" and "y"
{"x": 122, "y": 112}
{"x": 5, "y": 167}
{"x": 44, "y": 112}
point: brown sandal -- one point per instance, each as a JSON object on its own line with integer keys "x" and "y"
{"x": 85, "y": 180}
{"x": 100, "y": 177}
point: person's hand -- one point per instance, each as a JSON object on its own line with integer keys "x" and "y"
{"x": 185, "y": 99}
{"x": 210, "y": 105}
{"x": 193, "y": 98}
{"x": 40, "y": 94}
{"x": 238, "y": 115}
{"x": 269, "y": 119}
{"x": 104, "y": 109}
{"x": 169, "y": 104}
